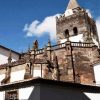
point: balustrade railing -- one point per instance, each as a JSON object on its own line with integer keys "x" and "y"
{"x": 81, "y": 44}
{"x": 59, "y": 46}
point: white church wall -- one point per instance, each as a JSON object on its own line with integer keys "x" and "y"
{"x": 3, "y": 59}
{"x": 77, "y": 38}
{"x": 2, "y": 96}
{"x": 97, "y": 74}
{"x": 17, "y": 76}
{"x": 37, "y": 71}
{"x": 4, "y": 54}
{"x": 17, "y": 73}
{"x": 25, "y": 93}
{"x": 2, "y": 76}
{"x": 93, "y": 96}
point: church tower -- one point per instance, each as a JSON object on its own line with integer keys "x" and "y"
{"x": 74, "y": 22}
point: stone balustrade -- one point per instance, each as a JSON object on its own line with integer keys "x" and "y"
{"x": 59, "y": 46}
{"x": 80, "y": 44}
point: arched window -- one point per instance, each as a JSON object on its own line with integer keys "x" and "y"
{"x": 66, "y": 33}
{"x": 75, "y": 31}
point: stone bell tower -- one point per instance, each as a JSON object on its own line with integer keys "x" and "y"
{"x": 76, "y": 21}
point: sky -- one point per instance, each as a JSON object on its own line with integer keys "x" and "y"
{"x": 24, "y": 21}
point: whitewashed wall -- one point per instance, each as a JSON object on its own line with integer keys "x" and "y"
{"x": 37, "y": 71}
{"x": 93, "y": 96}
{"x": 17, "y": 73}
{"x": 17, "y": 76}
{"x": 97, "y": 74}
{"x": 74, "y": 38}
{"x": 2, "y": 76}
{"x": 25, "y": 93}
{"x": 2, "y": 96}
{"x": 78, "y": 38}
{"x": 4, "y": 54}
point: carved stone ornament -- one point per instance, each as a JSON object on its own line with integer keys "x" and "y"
{"x": 35, "y": 45}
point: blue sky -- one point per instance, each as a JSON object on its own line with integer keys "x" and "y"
{"x": 15, "y": 14}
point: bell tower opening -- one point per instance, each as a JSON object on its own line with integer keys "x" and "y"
{"x": 75, "y": 30}
{"x": 66, "y": 33}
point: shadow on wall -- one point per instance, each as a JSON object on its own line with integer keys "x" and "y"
{"x": 56, "y": 93}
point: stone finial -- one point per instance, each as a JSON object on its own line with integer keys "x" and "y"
{"x": 10, "y": 57}
{"x": 49, "y": 43}
{"x": 72, "y": 4}
{"x": 35, "y": 45}
{"x": 45, "y": 52}
{"x": 54, "y": 56}
{"x": 29, "y": 50}
{"x": 55, "y": 74}
{"x": 55, "y": 60}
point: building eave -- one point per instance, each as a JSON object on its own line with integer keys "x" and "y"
{"x": 41, "y": 81}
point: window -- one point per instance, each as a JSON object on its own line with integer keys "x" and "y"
{"x": 75, "y": 30}
{"x": 11, "y": 95}
{"x": 28, "y": 71}
{"x": 66, "y": 33}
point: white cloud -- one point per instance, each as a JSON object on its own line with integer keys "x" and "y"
{"x": 37, "y": 28}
